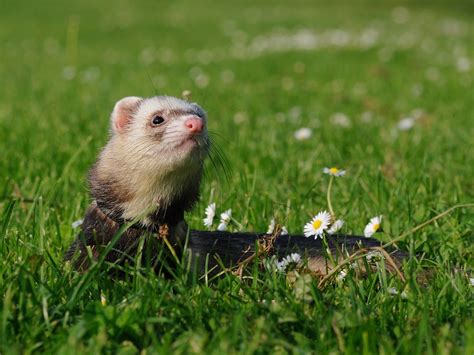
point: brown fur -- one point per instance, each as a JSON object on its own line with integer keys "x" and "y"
{"x": 98, "y": 231}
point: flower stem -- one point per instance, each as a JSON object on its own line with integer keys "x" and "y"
{"x": 414, "y": 229}
{"x": 333, "y": 215}
{"x": 327, "y": 250}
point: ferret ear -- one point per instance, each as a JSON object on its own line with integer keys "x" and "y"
{"x": 123, "y": 111}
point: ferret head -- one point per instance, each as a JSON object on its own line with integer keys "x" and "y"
{"x": 154, "y": 159}
{"x": 163, "y": 127}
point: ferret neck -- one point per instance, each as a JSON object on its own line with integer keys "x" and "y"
{"x": 125, "y": 189}
{"x": 170, "y": 216}
{"x": 114, "y": 201}
{"x": 117, "y": 221}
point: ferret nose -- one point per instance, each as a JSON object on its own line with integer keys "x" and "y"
{"x": 194, "y": 124}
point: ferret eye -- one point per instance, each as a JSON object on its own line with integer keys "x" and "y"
{"x": 157, "y": 120}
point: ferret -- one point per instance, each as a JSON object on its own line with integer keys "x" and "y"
{"x": 145, "y": 179}
{"x": 152, "y": 162}
{"x": 148, "y": 174}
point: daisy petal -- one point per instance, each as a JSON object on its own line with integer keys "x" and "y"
{"x": 336, "y": 226}
{"x": 334, "y": 171}
{"x": 373, "y": 226}
{"x": 317, "y": 225}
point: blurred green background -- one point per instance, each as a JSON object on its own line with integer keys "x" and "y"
{"x": 262, "y": 70}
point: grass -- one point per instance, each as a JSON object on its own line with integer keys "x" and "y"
{"x": 64, "y": 67}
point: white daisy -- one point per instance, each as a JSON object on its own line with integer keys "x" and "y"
{"x": 303, "y": 134}
{"x": 342, "y": 275}
{"x": 405, "y": 124}
{"x": 226, "y": 216}
{"x": 222, "y": 227}
{"x": 394, "y": 292}
{"x": 373, "y": 226}
{"x": 225, "y": 219}
{"x": 374, "y": 255}
{"x": 284, "y": 231}
{"x": 293, "y": 258}
{"x": 336, "y": 226}
{"x": 271, "y": 226}
{"x": 210, "y": 213}
{"x": 334, "y": 171}
{"x": 471, "y": 281}
{"x": 340, "y": 119}
{"x": 463, "y": 64}
{"x": 318, "y": 225}
{"x": 282, "y": 265}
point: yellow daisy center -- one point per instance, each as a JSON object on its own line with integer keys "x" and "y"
{"x": 317, "y": 223}
{"x": 376, "y": 227}
{"x": 333, "y": 170}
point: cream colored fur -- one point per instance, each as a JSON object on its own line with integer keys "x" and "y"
{"x": 152, "y": 173}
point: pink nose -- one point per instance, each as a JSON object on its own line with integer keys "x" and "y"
{"x": 194, "y": 124}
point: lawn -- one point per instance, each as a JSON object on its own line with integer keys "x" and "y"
{"x": 386, "y": 89}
